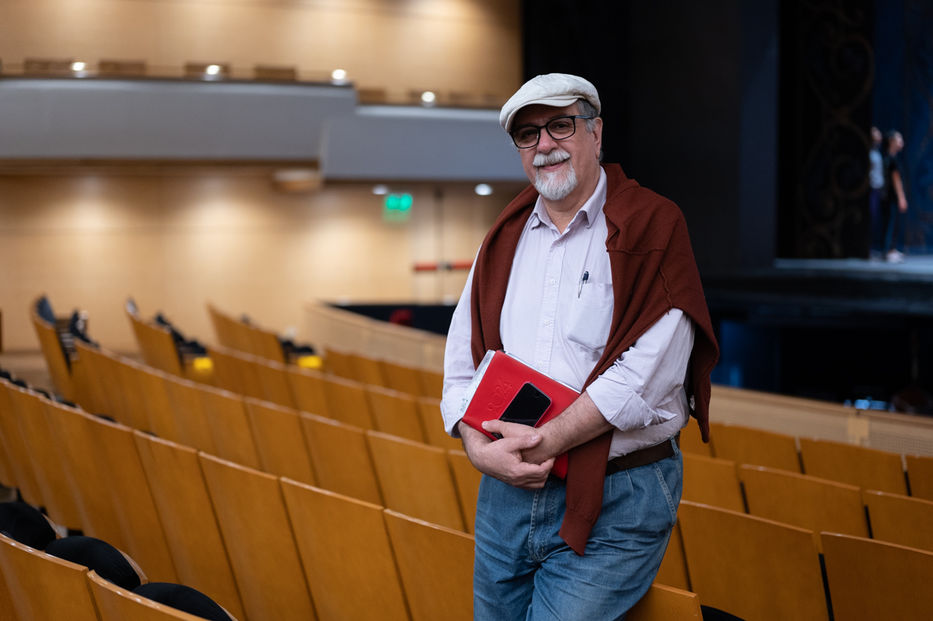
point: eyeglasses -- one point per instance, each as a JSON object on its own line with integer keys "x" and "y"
{"x": 561, "y": 128}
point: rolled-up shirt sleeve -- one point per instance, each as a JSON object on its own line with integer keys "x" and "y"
{"x": 645, "y": 385}
{"x": 458, "y": 361}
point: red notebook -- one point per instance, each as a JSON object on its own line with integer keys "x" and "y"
{"x": 501, "y": 381}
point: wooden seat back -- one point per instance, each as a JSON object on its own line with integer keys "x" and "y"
{"x": 115, "y": 603}
{"x": 42, "y": 586}
{"x": 436, "y": 567}
{"x": 340, "y": 458}
{"x": 855, "y": 465}
{"x": 432, "y": 424}
{"x": 803, "y": 500}
{"x": 662, "y": 603}
{"x": 395, "y": 413}
{"x": 870, "y": 579}
{"x": 191, "y": 530}
{"x": 466, "y": 479}
{"x": 415, "y": 479}
{"x": 258, "y": 535}
{"x": 347, "y": 402}
{"x": 307, "y": 388}
{"x": 279, "y": 440}
{"x": 920, "y": 473}
{"x": 346, "y": 554}
{"x": 712, "y": 481}
{"x": 903, "y": 520}
{"x": 230, "y": 428}
{"x": 752, "y": 567}
{"x": 746, "y": 445}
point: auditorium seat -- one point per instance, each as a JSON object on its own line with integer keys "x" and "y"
{"x": 307, "y": 388}
{"x": 14, "y": 445}
{"x": 346, "y": 553}
{"x": 429, "y": 409}
{"x": 230, "y": 429}
{"x": 194, "y": 426}
{"x": 432, "y": 383}
{"x": 870, "y": 579}
{"x": 366, "y": 370}
{"x": 692, "y": 442}
{"x": 235, "y": 371}
{"x": 340, "y": 458}
{"x": 258, "y": 536}
{"x": 857, "y": 465}
{"x": 665, "y": 603}
{"x": 900, "y": 519}
{"x": 402, "y": 378}
{"x": 415, "y": 479}
{"x": 673, "y": 570}
{"x": 43, "y": 586}
{"x": 712, "y": 481}
{"x": 803, "y": 500}
{"x": 395, "y": 413}
{"x": 746, "y": 445}
{"x": 125, "y": 480}
{"x": 338, "y": 363}
{"x": 279, "y": 440}
{"x": 152, "y": 398}
{"x": 436, "y": 566}
{"x": 90, "y": 473}
{"x": 466, "y": 479}
{"x": 156, "y": 345}
{"x": 752, "y": 567}
{"x": 115, "y": 603}
{"x": 273, "y": 382}
{"x": 347, "y": 402}
{"x": 53, "y": 351}
{"x": 188, "y": 519}
{"x": 920, "y": 473}
{"x": 59, "y": 67}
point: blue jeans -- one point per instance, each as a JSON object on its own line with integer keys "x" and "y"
{"x": 524, "y": 571}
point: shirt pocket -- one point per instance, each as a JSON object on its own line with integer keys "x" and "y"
{"x": 591, "y": 317}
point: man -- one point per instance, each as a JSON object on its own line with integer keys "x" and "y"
{"x": 590, "y": 279}
{"x": 894, "y": 204}
{"x": 876, "y": 193}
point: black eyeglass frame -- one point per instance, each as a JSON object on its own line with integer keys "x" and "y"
{"x": 538, "y": 128}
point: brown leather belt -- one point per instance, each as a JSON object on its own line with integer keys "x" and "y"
{"x": 642, "y": 457}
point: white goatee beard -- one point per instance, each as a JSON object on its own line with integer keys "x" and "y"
{"x": 554, "y": 186}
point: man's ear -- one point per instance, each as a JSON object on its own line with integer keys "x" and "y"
{"x": 598, "y": 135}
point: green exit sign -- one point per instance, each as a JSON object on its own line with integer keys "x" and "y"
{"x": 397, "y": 207}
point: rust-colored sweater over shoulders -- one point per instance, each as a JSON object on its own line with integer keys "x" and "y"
{"x": 653, "y": 270}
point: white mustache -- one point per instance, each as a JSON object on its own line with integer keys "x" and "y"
{"x": 554, "y": 157}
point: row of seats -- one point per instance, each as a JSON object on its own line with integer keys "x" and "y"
{"x": 354, "y": 452}
{"x": 845, "y": 463}
{"x": 263, "y": 546}
{"x": 808, "y": 501}
{"x": 766, "y": 570}
{"x": 672, "y": 554}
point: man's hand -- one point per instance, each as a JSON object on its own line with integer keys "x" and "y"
{"x": 502, "y": 459}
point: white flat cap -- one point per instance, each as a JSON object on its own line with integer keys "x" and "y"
{"x": 549, "y": 89}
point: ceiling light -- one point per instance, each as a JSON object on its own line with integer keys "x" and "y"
{"x": 380, "y": 189}
{"x": 338, "y": 75}
{"x": 483, "y": 189}
{"x": 428, "y": 98}
{"x": 212, "y": 70}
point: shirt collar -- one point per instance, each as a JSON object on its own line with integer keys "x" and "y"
{"x": 587, "y": 213}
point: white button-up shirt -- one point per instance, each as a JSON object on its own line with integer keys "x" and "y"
{"x": 556, "y": 318}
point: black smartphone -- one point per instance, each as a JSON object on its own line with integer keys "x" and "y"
{"x": 527, "y": 407}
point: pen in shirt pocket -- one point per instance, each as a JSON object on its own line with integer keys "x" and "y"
{"x": 586, "y": 276}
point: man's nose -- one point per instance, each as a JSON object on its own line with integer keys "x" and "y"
{"x": 546, "y": 144}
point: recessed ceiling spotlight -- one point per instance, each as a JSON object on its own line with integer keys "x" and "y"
{"x": 78, "y": 66}
{"x": 338, "y": 75}
{"x": 212, "y": 70}
{"x": 428, "y": 98}
{"x": 483, "y": 189}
